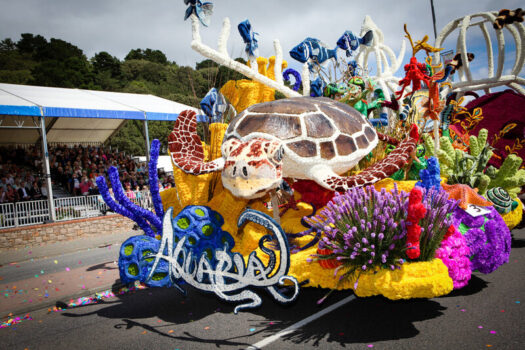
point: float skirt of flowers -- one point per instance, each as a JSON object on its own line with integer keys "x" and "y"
{"x": 427, "y": 279}
{"x": 513, "y": 218}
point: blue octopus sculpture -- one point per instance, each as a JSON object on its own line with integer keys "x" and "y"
{"x": 201, "y": 226}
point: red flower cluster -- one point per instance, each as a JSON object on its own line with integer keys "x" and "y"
{"x": 450, "y": 232}
{"x": 416, "y": 211}
{"x": 312, "y": 193}
{"x": 327, "y": 263}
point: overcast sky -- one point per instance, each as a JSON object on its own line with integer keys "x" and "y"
{"x": 116, "y": 26}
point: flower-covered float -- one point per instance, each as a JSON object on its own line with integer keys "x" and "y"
{"x": 344, "y": 187}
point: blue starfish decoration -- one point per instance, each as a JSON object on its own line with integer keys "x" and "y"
{"x": 202, "y": 10}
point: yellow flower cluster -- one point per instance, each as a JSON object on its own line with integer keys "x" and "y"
{"x": 513, "y": 218}
{"x": 244, "y": 93}
{"x": 191, "y": 189}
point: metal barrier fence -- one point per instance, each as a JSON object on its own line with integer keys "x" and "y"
{"x": 69, "y": 208}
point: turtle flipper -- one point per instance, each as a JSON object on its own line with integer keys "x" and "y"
{"x": 186, "y": 148}
{"x": 397, "y": 159}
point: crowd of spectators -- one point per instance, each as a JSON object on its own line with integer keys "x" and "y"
{"x": 73, "y": 168}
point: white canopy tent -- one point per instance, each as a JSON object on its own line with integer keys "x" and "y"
{"x": 29, "y": 114}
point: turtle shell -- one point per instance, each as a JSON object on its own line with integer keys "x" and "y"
{"x": 310, "y": 127}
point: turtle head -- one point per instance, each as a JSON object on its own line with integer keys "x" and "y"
{"x": 252, "y": 167}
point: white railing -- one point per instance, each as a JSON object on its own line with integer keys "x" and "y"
{"x": 69, "y": 208}
{"x": 6, "y": 215}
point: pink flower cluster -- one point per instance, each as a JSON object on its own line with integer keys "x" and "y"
{"x": 455, "y": 254}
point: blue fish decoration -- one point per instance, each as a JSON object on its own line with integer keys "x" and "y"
{"x": 213, "y": 105}
{"x": 314, "y": 49}
{"x": 248, "y": 36}
{"x": 202, "y": 10}
{"x": 350, "y": 42}
{"x": 317, "y": 87}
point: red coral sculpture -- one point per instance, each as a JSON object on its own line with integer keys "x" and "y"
{"x": 416, "y": 211}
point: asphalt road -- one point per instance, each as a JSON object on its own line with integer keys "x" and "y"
{"x": 27, "y": 269}
{"x": 488, "y": 313}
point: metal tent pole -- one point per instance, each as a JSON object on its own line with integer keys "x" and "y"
{"x": 52, "y": 214}
{"x": 146, "y": 136}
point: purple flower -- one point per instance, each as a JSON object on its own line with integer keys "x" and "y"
{"x": 489, "y": 243}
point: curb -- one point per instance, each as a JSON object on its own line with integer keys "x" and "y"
{"x": 52, "y": 302}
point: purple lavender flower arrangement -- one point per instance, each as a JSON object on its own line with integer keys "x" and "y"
{"x": 487, "y": 237}
{"x": 455, "y": 254}
{"x": 436, "y": 222}
{"x": 364, "y": 229}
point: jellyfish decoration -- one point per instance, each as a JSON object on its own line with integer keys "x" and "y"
{"x": 150, "y": 223}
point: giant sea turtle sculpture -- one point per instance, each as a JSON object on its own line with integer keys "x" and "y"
{"x": 301, "y": 138}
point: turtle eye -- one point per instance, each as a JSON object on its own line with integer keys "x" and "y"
{"x": 278, "y": 155}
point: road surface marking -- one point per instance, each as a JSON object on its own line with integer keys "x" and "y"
{"x": 299, "y": 324}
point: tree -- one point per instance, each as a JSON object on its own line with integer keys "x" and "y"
{"x": 7, "y": 45}
{"x": 143, "y": 70}
{"x": 30, "y": 43}
{"x": 104, "y": 62}
{"x": 155, "y": 56}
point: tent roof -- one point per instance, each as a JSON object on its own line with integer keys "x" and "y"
{"x": 63, "y": 108}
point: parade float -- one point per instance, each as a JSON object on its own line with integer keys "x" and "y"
{"x": 371, "y": 183}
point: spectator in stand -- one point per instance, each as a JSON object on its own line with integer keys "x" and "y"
{"x": 93, "y": 188}
{"x": 43, "y": 189}
{"x": 3, "y": 195}
{"x": 12, "y": 195}
{"x": 129, "y": 192}
{"x": 23, "y": 193}
{"x": 84, "y": 186}
{"x": 35, "y": 191}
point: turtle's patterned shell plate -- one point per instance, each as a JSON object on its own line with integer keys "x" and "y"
{"x": 318, "y": 127}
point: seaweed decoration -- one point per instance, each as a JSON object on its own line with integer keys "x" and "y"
{"x": 502, "y": 133}
{"x": 150, "y": 223}
{"x": 119, "y": 209}
{"x": 120, "y": 195}
{"x": 460, "y": 115}
{"x": 154, "y": 179}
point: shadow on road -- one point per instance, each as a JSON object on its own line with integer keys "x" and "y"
{"x": 517, "y": 243}
{"x": 355, "y": 322}
{"x": 475, "y": 285}
{"x": 109, "y": 265}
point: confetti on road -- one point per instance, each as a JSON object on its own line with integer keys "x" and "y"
{"x": 462, "y": 310}
{"x": 49, "y": 281}
{"x": 480, "y": 327}
{"x": 14, "y": 320}
{"x": 517, "y": 302}
{"x": 41, "y": 272}
{"x": 170, "y": 331}
{"x": 206, "y": 328}
{"x": 36, "y": 276}
{"x": 492, "y": 332}
{"x": 370, "y": 345}
{"x": 56, "y": 262}
{"x": 67, "y": 268}
{"x": 80, "y": 262}
{"x": 252, "y": 329}
{"x": 144, "y": 332}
